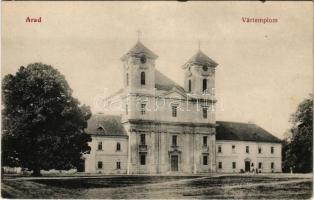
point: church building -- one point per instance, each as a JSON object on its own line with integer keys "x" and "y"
{"x": 164, "y": 128}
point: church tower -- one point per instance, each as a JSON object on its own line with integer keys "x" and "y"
{"x": 139, "y": 70}
{"x": 199, "y": 77}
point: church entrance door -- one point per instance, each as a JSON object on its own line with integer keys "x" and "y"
{"x": 247, "y": 166}
{"x": 174, "y": 163}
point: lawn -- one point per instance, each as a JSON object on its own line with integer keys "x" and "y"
{"x": 191, "y": 187}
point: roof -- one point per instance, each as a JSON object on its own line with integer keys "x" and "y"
{"x": 138, "y": 50}
{"x": 110, "y": 125}
{"x": 200, "y": 58}
{"x": 115, "y": 93}
{"x": 162, "y": 82}
{"x": 243, "y": 132}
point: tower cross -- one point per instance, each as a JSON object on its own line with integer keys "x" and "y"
{"x": 139, "y": 35}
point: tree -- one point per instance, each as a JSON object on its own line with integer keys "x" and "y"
{"x": 43, "y": 125}
{"x": 297, "y": 149}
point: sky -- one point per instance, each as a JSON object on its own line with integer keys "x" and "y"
{"x": 264, "y": 71}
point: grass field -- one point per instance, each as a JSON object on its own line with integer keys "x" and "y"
{"x": 191, "y": 187}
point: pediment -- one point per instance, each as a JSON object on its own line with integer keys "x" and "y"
{"x": 174, "y": 93}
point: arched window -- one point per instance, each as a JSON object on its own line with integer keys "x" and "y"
{"x": 190, "y": 85}
{"x": 100, "y": 128}
{"x": 118, "y": 146}
{"x": 204, "y": 84}
{"x": 127, "y": 79}
{"x": 142, "y": 78}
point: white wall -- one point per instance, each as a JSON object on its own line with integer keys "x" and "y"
{"x": 109, "y": 156}
{"x": 161, "y": 109}
{"x": 227, "y": 156}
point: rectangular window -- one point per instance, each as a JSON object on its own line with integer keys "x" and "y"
{"x": 271, "y": 150}
{"x": 233, "y": 148}
{"x": 174, "y": 111}
{"x": 99, "y": 146}
{"x": 272, "y": 165}
{"x": 118, "y": 147}
{"x": 143, "y": 108}
{"x": 219, "y": 149}
{"x": 205, "y": 141}
{"x": 143, "y": 139}
{"x": 205, "y": 109}
{"x": 234, "y": 165}
{"x": 219, "y": 165}
{"x": 142, "y": 78}
{"x": 99, "y": 165}
{"x": 143, "y": 159}
{"x": 118, "y": 165}
{"x": 260, "y": 165}
{"x": 259, "y": 150}
{"x": 204, "y": 85}
{"x": 190, "y": 86}
{"x": 174, "y": 140}
{"x": 205, "y": 160}
{"x": 247, "y": 149}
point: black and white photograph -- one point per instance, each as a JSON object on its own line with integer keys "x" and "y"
{"x": 157, "y": 100}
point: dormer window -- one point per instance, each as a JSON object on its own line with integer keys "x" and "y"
{"x": 100, "y": 128}
{"x": 142, "y": 78}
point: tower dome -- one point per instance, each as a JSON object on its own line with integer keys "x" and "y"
{"x": 199, "y": 74}
{"x": 200, "y": 59}
{"x": 138, "y": 50}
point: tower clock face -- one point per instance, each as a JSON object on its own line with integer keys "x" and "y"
{"x": 143, "y": 59}
{"x": 205, "y": 68}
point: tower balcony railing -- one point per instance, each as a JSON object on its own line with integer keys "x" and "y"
{"x": 142, "y": 148}
{"x": 205, "y": 149}
{"x": 174, "y": 147}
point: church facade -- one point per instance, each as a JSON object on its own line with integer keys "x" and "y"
{"x": 166, "y": 128}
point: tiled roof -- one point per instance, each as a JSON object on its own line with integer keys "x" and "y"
{"x": 138, "y": 50}
{"x": 162, "y": 82}
{"x": 100, "y": 124}
{"x": 200, "y": 58}
{"x": 243, "y": 132}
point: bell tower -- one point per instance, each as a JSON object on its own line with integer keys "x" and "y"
{"x": 199, "y": 75}
{"x": 139, "y": 69}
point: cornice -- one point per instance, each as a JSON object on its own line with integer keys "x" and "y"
{"x": 158, "y": 122}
